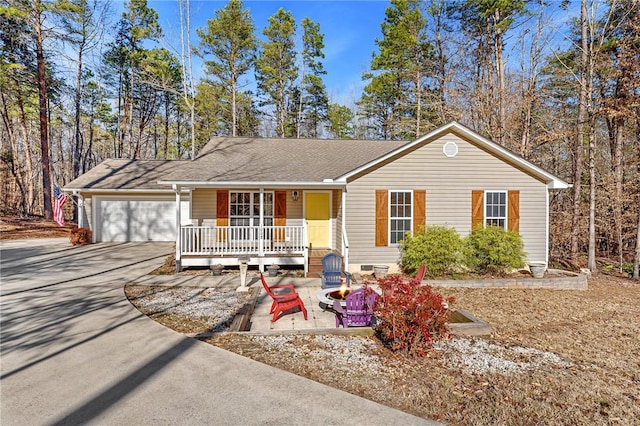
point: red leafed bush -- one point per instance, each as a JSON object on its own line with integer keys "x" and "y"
{"x": 80, "y": 236}
{"x": 410, "y": 315}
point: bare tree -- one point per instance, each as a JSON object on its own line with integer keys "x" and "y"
{"x": 188, "y": 87}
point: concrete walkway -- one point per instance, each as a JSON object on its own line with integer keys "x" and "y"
{"x": 74, "y": 351}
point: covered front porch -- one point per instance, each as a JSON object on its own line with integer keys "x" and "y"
{"x": 255, "y": 245}
{"x": 260, "y": 227}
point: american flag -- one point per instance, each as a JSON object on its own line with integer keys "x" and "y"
{"x": 59, "y": 198}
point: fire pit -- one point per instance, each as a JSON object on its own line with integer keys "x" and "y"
{"x": 327, "y": 296}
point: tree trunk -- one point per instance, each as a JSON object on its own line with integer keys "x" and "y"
{"x": 77, "y": 149}
{"x": 187, "y": 75}
{"x": 234, "y": 106}
{"x": 615, "y": 127}
{"x": 28, "y": 155}
{"x": 165, "y": 142}
{"x": 578, "y": 150}
{"x": 132, "y": 147}
{"x": 591, "y": 261}
{"x": 441, "y": 68}
{"x": 499, "y": 53}
{"x": 418, "y": 102}
{"x": 42, "y": 98}
{"x": 14, "y": 154}
{"x": 636, "y": 260}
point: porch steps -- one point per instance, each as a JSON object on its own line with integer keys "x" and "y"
{"x": 315, "y": 262}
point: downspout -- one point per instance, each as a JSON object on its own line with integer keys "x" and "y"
{"x": 177, "y": 189}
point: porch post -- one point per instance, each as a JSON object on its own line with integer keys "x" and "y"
{"x": 261, "y": 232}
{"x": 177, "y": 189}
{"x": 345, "y": 247}
{"x": 80, "y": 199}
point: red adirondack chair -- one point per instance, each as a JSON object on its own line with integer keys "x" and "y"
{"x": 422, "y": 270}
{"x": 283, "y": 300}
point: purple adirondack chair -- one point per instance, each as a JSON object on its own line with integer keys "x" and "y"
{"x": 358, "y": 311}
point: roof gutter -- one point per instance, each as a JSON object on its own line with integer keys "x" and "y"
{"x": 327, "y": 183}
{"x": 120, "y": 190}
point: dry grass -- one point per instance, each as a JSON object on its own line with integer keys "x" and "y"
{"x": 594, "y": 332}
{"x": 18, "y": 228}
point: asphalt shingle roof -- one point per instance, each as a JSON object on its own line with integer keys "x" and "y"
{"x": 279, "y": 160}
{"x": 226, "y": 159}
{"x": 126, "y": 174}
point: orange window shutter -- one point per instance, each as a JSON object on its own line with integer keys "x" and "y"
{"x": 280, "y": 214}
{"x": 382, "y": 218}
{"x": 513, "y": 211}
{"x": 419, "y": 210}
{"x": 477, "y": 208}
{"x": 222, "y": 213}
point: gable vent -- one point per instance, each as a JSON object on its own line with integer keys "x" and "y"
{"x": 450, "y": 149}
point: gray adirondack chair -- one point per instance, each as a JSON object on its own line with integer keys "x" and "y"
{"x": 332, "y": 271}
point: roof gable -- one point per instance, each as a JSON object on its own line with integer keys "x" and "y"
{"x": 552, "y": 182}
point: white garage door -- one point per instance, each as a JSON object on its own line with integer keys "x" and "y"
{"x": 137, "y": 218}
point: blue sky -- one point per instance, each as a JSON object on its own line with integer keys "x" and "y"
{"x": 350, "y": 29}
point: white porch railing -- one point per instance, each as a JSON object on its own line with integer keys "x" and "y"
{"x": 242, "y": 240}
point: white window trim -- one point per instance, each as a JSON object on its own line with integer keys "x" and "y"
{"x": 506, "y": 207}
{"x": 251, "y": 206}
{"x": 391, "y": 218}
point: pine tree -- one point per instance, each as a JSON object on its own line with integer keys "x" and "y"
{"x": 138, "y": 25}
{"x": 341, "y": 121}
{"x": 394, "y": 97}
{"x": 229, "y": 38}
{"x": 313, "y": 101}
{"x": 276, "y": 70}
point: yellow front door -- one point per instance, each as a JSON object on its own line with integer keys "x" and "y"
{"x": 317, "y": 215}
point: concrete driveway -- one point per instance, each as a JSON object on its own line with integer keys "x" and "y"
{"x": 73, "y": 350}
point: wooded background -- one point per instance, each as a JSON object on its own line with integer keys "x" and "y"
{"x": 79, "y": 85}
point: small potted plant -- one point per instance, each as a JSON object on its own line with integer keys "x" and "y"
{"x": 273, "y": 270}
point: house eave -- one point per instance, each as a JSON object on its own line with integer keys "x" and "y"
{"x": 119, "y": 190}
{"x": 326, "y": 184}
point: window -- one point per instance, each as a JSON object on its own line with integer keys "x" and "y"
{"x": 496, "y": 208}
{"x": 400, "y": 215}
{"x": 244, "y": 210}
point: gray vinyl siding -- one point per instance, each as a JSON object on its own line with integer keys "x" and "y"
{"x": 448, "y": 183}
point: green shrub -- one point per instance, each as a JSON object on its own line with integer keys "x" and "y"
{"x": 492, "y": 249}
{"x": 438, "y": 247}
{"x": 628, "y": 268}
